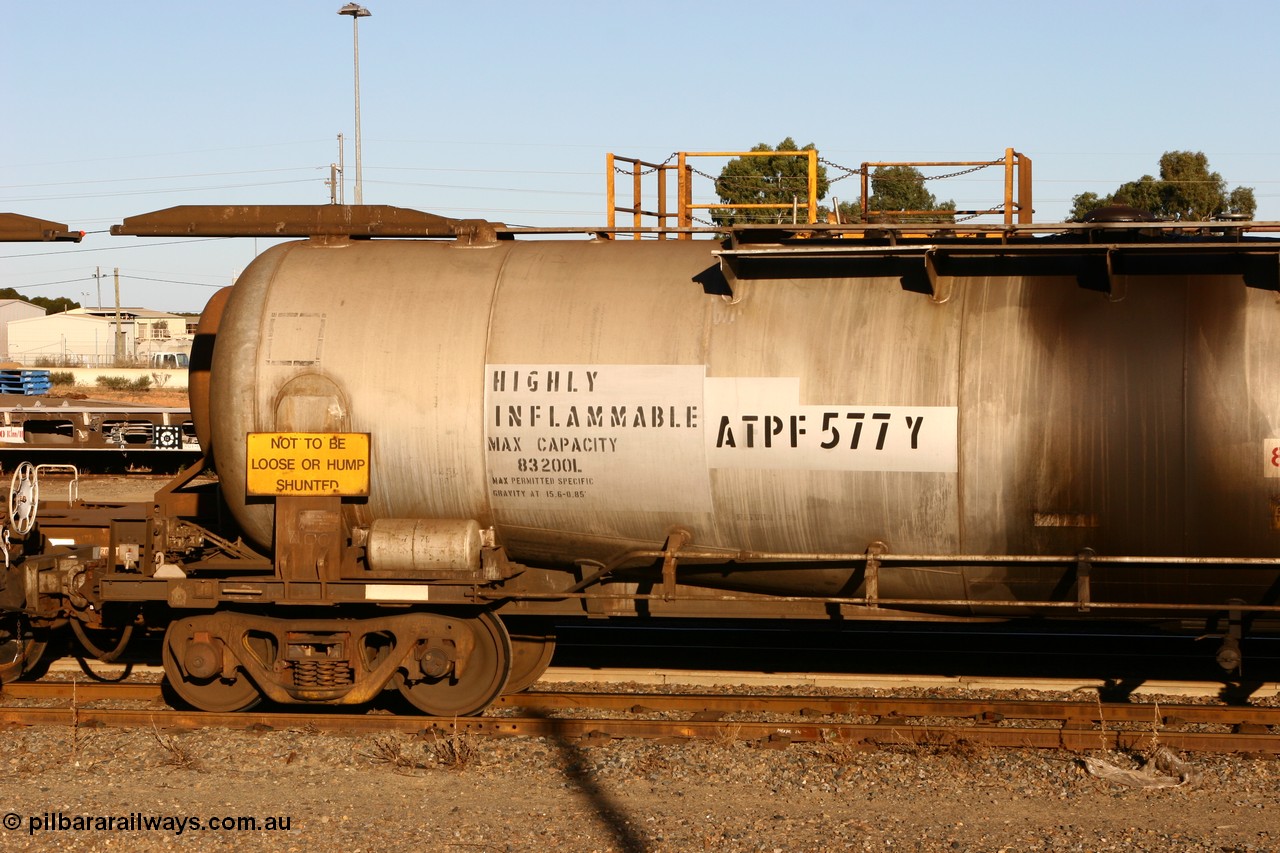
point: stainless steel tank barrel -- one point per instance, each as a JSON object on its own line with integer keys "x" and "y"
{"x": 587, "y": 397}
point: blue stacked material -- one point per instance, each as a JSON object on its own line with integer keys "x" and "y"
{"x": 24, "y": 382}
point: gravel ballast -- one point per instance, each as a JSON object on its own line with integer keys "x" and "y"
{"x": 399, "y": 792}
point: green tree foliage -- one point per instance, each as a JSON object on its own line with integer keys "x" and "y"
{"x": 1186, "y": 189}
{"x": 897, "y": 188}
{"x": 1085, "y": 203}
{"x": 766, "y": 180}
{"x": 56, "y": 305}
{"x": 900, "y": 188}
{"x": 51, "y": 306}
{"x": 850, "y": 213}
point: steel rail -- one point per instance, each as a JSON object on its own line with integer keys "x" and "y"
{"x": 81, "y": 691}
{"x": 923, "y": 722}
{"x": 888, "y": 707}
{"x": 859, "y": 735}
{"x": 729, "y": 703}
{"x": 736, "y": 703}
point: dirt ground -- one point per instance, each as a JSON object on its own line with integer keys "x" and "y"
{"x": 309, "y": 791}
{"x": 167, "y": 397}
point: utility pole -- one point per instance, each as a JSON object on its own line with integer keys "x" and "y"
{"x": 98, "y": 276}
{"x": 119, "y": 328}
{"x": 336, "y": 194}
{"x": 356, "y": 12}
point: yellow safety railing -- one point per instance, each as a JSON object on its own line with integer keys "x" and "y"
{"x": 639, "y": 169}
{"x": 1017, "y": 188}
{"x": 684, "y": 190}
{"x": 1017, "y": 203}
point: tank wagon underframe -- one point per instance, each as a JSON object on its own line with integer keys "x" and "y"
{"x": 800, "y": 423}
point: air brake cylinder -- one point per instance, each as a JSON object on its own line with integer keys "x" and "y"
{"x": 424, "y": 545}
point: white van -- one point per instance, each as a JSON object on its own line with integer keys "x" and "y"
{"x": 174, "y": 360}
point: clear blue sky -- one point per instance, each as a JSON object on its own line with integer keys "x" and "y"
{"x": 505, "y": 110}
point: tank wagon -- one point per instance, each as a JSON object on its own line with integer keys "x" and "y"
{"x": 431, "y": 438}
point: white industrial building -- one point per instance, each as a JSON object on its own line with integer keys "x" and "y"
{"x": 87, "y": 337}
{"x": 14, "y": 309}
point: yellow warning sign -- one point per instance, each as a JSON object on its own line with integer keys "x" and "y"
{"x": 309, "y": 464}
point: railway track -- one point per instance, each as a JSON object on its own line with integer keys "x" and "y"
{"x": 769, "y": 721}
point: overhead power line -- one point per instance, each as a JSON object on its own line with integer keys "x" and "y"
{"x": 117, "y": 248}
{"x": 49, "y": 283}
{"x": 155, "y": 191}
{"x": 161, "y": 177}
{"x": 172, "y": 281}
{"x": 122, "y": 276}
{"x": 152, "y": 155}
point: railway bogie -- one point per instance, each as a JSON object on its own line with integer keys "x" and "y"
{"x": 428, "y": 451}
{"x": 445, "y": 665}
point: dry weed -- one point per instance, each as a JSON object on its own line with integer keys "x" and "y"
{"x": 79, "y": 739}
{"x": 1156, "y": 725}
{"x": 176, "y": 753}
{"x": 454, "y": 750}
{"x": 940, "y": 744}
{"x": 390, "y": 751}
{"x": 837, "y": 751}
{"x": 965, "y": 750}
{"x": 728, "y": 736}
{"x": 1102, "y": 724}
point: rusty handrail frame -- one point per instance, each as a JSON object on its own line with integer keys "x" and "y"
{"x": 639, "y": 168}
{"x": 1017, "y": 187}
{"x": 686, "y": 191}
{"x": 683, "y": 213}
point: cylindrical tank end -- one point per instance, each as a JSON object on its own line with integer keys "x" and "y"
{"x": 201, "y": 365}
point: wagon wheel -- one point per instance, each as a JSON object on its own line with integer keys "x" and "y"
{"x": 482, "y": 680}
{"x": 20, "y": 651}
{"x": 530, "y": 657}
{"x": 24, "y": 495}
{"x": 215, "y": 693}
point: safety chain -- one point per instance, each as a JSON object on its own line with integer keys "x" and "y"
{"x": 630, "y": 172}
{"x": 848, "y": 173}
{"x": 977, "y": 168}
{"x": 999, "y": 206}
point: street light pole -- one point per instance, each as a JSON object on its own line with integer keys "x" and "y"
{"x": 356, "y": 12}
